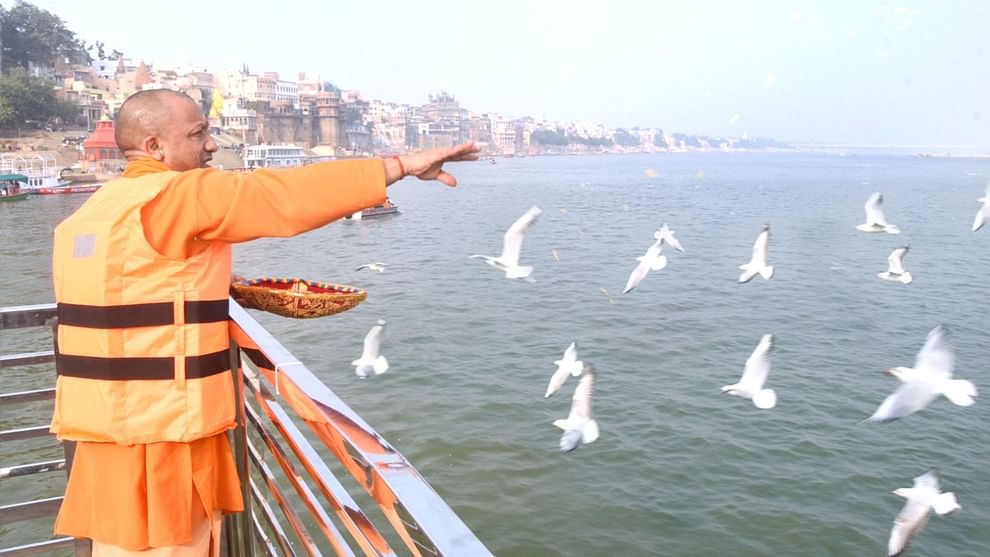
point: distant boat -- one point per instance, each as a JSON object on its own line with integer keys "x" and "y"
{"x": 387, "y": 208}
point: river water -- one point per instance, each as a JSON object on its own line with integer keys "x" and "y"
{"x": 680, "y": 469}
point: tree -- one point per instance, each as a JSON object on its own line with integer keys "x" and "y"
{"x": 548, "y": 137}
{"x": 32, "y": 35}
{"x": 626, "y": 139}
{"x": 27, "y": 100}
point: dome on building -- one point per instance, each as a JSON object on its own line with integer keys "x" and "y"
{"x": 101, "y": 145}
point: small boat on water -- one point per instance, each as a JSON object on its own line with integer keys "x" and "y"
{"x": 5, "y": 197}
{"x": 10, "y": 187}
{"x": 387, "y": 208}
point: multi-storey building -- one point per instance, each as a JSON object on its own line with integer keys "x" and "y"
{"x": 273, "y": 156}
{"x": 239, "y": 121}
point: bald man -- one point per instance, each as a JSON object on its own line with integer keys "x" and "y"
{"x": 153, "y": 471}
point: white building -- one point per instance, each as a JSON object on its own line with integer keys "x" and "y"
{"x": 273, "y": 156}
{"x": 288, "y": 92}
{"x": 233, "y": 83}
{"x": 309, "y": 84}
{"x": 105, "y": 69}
{"x": 503, "y": 133}
{"x": 236, "y": 119}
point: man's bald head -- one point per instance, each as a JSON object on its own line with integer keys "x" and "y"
{"x": 145, "y": 113}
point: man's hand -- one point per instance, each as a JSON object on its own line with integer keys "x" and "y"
{"x": 428, "y": 165}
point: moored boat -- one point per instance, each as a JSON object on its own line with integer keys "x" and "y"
{"x": 66, "y": 189}
{"x": 40, "y": 170}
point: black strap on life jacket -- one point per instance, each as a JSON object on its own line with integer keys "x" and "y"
{"x": 141, "y": 368}
{"x": 140, "y": 315}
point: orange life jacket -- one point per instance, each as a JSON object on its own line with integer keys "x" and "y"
{"x": 142, "y": 338}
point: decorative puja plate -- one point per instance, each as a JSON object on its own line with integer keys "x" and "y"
{"x": 295, "y": 297}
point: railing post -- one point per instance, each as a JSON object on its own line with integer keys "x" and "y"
{"x": 239, "y": 531}
{"x": 83, "y": 546}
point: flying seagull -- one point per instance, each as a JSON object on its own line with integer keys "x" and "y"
{"x": 983, "y": 215}
{"x": 371, "y": 360}
{"x": 758, "y": 263}
{"x": 666, "y": 235}
{"x": 895, "y": 267}
{"x": 380, "y": 267}
{"x": 875, "y": 220}
{"x": 650, "y": 261}
{"x": 925, "y": 496}
{"x": 568, "y": 365}
{"x": 508, "y": 261}
{"x": 754, "y": 375}
{"x": 579, "y": 427}
{"x": 931, "y": 376}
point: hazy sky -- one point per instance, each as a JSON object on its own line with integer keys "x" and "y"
{"x": 850, "y": 71}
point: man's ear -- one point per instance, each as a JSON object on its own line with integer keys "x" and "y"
{"x": 153, "y": 148}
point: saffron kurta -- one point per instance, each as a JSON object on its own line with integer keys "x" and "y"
{"x": 143, "y": 496}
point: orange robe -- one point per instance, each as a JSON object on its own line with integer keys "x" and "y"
{"x": 142, "y": 496}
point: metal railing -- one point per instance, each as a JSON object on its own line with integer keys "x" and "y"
{"x": 295, "y": 503}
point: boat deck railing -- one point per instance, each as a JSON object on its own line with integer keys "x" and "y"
{"x": 292, "y": 481}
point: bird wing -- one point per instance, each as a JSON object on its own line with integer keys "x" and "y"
{"x": 761, "y": 246}
{"x": 983, "y": 215}
{"x": 758, "y": 365}
{"x": 908, "y": 523}
{"x": 570, "y": 354}
{"x": 936, "y": 355}
{"x": 906, "y": 400}
{"x": 373, "y": 342}
{"x": 674, "y": 243}
{"x": 895, "y": 261}
{"x": 667, "y": 235}
{"x": 556, "y": 380}
{"x": 581, "y": 401}
{"x": 637, "y": 275}
{"x": 929, "y": 480}
{"x": 874, "y": 214}
{"x": 512, "y": 241}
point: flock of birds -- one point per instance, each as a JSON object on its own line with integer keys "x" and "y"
{"x": 930, "y": 377}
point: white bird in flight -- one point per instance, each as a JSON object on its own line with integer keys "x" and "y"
{"x": 666, "y": 235}
{"x": 650, "y": 261}
{"x": 380, "y": 267}
{"x": 925, "y": 496}
{"x": 875, "y": 219}
{"x": 758, "y": 263}
{"x": 895, "y": 267}
{"x": 931, "y": 376}
{"x": 508, "y": 261}
{"x": 371, "y": 361}
{"x": 754, "y": 376}
{"x": 568, "y": 365}
{"x": 579, "y": 427}
{"x": 983, "y": 215}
